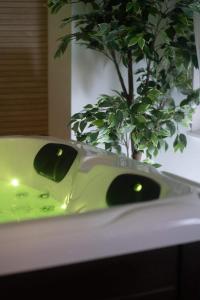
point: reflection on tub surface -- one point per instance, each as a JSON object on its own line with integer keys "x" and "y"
{"x": 21, "y": 202}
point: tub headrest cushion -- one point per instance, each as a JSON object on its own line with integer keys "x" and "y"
{"x": 132, "y": 188}
{"x": 54, "y": 160}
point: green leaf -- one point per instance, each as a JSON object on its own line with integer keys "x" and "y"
{"x": 75, "y": 126}
{"x": 176, "y": 143}
{"x": 108, "y": 146}
{"x": 133, "y": 7}
{"x": 149, "y": 156}
{"x": 95, "y": 5}
{"x": 154, "y": 139}
{"x": 81, "y": 138}
{"x": 164, "y": 132}
{"x": 179, "y": 116}
{"x": 140, "y": 107}
{"x": 155, "y": 152}
{"x": 76, "y": 116}
{"x": 171, "y": 126}
{"x": 150, "y": 147}
{"x": 88, "y": 106}
{"x": 140, "y": 70}
{"x": 65, "y": 41}
{"x": 94, "y": 136}
{"x": 180, "y": 142}
{"x": 55, "y": 5}
{"x": 98, "y": 123}
{"x": 82, "y": 125}
{"x": 185, "y": 102}
{"x": 100, "y": 115}
{"x": 141, "y": 147}
{"x": 144, "y": 107}
{"x": 104, "y": 27}
{"x": 183, "y": 139}
{"x": 166, "y": 146}
{"x": 117, "y": 148}
{"x": 104, "y": 103}
{"x": 135, "y": 138}
{"x": 119, "y": 117}
{"x": 133, "y": 41}
{"x": 156, "y": 165}
{"x": 141, "y": 43}
{"x": 153, "y": 94}
{"x": 141, "y": 119}
{"x": 129, "y": 6}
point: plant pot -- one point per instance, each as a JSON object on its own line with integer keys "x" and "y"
{"x": 137, "y": 155}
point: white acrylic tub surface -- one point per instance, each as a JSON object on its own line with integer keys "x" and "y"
{"x": 88, "y": 229}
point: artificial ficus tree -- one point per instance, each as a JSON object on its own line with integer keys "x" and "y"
{"x": 157, "y": 34}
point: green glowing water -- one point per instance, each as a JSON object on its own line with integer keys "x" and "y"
{"x": 21, "y": 202}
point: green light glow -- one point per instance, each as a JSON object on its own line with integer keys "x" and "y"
{"x": 137, "y": 187}
{"x": 14, "y": 182}
{"x": 63, "y": 206}
{"x": 66, "y": 202}
{"x": 26, "y": 203}
{"x": 59, "y": 152}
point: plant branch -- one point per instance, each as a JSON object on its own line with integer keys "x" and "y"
{"x": 148, "y": 75}
{"x": 126, "y": 144}
{"x": 114, "y": 59}
{"x": 130, "y": 78}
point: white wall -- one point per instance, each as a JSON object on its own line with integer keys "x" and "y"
{"x": 186, "y": 164}
{"x": 196, "y": 83}
{"x": 92, "y": 74}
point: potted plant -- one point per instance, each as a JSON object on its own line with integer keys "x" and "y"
{"x": 159, "y": 35}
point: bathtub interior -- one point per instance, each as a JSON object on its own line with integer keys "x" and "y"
{"x": 24, "y": 193}
{"x": 29, "y": 192}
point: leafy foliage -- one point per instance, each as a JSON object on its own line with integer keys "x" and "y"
{"x": 111, "y": 121}
{"x": 160, "y": 35}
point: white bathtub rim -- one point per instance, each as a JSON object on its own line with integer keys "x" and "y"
{"x": 41, "y": 244}
{"x": 56, "y": 241}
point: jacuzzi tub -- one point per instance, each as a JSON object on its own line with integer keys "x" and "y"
{"x": 52, "y": 215}
{"x": 43, "y": 178}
